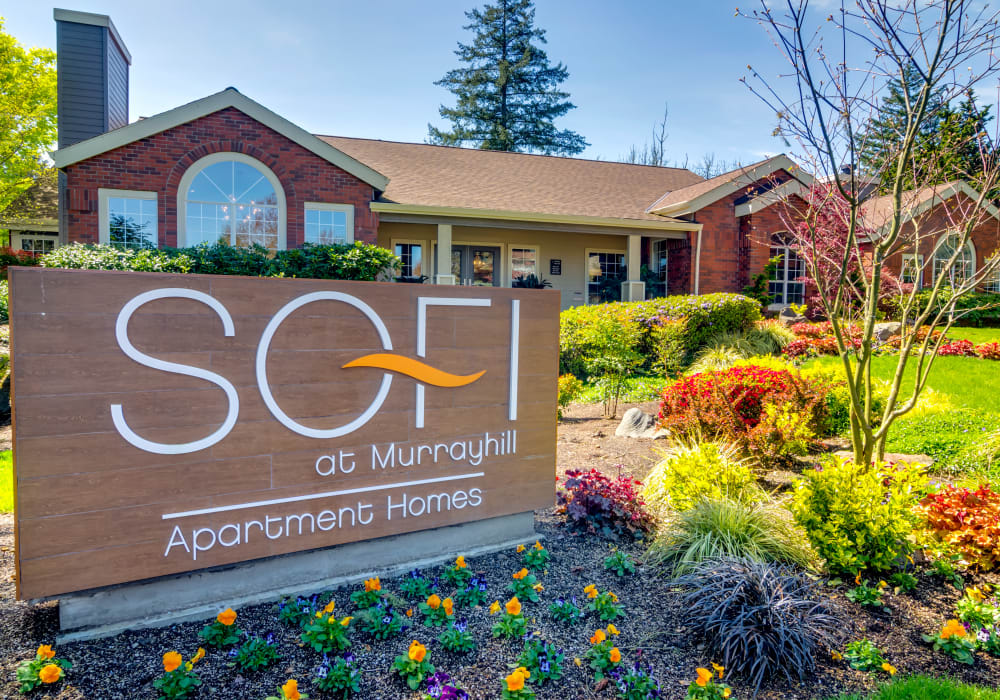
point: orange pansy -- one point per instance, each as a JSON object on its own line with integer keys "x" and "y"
{"x": 227, "y": 617}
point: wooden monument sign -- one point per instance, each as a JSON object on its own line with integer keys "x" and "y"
{"x": 166, "y": 423}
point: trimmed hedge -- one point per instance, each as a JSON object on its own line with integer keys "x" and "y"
{"x": 360, "y": 261}
{"x": 670, "y": 329}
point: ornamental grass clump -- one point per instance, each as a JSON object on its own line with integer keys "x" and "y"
{"x": 542, "y": 659}
{"x": 525, "y": 586}
{"x": 223, "y": 632}
{"x": 44, "y": 669}
{"x": 603, "y": 656}
{"x": 512, "y": 622}
{"x": 437, "y": 612}
{"x": 414, "y": 666}
{"x": 713, "y": 529}
{"x": 340, "y": 677}
{"x": 179, "y": 679}
{"x": 326, "y": 634}
{"x": 859, "y": 518}
{"x": 761, "y": 619}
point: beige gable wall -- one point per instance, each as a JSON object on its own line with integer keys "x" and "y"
{"x": 570, "y": 247}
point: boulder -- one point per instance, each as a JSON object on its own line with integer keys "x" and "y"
{"x": 636, "y": 423}
{"x": 787, "y": 317}
{"x": 883, "y": 331}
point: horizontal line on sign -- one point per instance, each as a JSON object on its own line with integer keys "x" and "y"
{"x": 314, "y": 496}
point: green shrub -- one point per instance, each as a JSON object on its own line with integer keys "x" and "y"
{"x": 713, "y": 529}
{"x": 359, "y": 261}
{"x": 859, "y": 518}
{"x": 569, "y": 388}
{"x": 692, "y": 469}
{"x": 701, "y": 317}
{"x": 614, "y": 357}
{"x": 4, "y": 301}
{"x": 976, "y": 309}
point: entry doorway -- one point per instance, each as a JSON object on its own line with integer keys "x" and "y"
{"x": 476, "y": 265}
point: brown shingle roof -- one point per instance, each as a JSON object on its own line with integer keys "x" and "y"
{"x": 878, "y": 211}
{"x": 686, "y": 194}
{"x": 446, "y": 176}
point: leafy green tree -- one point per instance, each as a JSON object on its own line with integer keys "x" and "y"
{"x": 508, "y": 95}
{"x": 27, "y": 114}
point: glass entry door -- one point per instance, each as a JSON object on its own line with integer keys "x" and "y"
{"x": 475, "y": 265}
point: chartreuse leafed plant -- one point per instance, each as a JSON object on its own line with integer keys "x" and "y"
{"x": 179, "y": 679}
{"x": 603, "y": 656}
{"x": 692, "y": 469}
{"x": 525, "y": 586}
{"x": 759, "y": 619}
{"x": 926, "y": 688}
{"x": 288, "y": 691}
{"x": 414, "y": 666}
{"x": 512, "y": 622}
{"x": 256, "y": 654}
{"x": 569, "y": 388}
{"x": 514, "y": 686}
{"x": 224, "y": 632}
{"x": 44, "y": 669}
{"x": 725, "y": 528}
{"x": 859, "y": 518}
{"x": 542, "y": 659}
{"x": 706, "y": 687}
{"x": 340, "y": 677}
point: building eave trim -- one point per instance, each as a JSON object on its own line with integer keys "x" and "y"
{"x": 529, "y": 217}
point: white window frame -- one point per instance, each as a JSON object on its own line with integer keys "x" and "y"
{"x": 221, "y": 156}
{"x": 919, "y": 266}
{"x": 348, "y": 210}
{"x": 969, "y": 246}
{"x": 587, "y": 252}
{"x": 785, "y": 281}
{"x": 103, "y": 215}
{"x": 991, "y": 284}
{"x": 666, "y": 269}
{"x": 511, "y": 247}
{"x": 424, "y": 249}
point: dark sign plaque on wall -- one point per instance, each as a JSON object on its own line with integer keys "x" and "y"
{"x": 555, "y": 266}
{"x": 167, "y": 423}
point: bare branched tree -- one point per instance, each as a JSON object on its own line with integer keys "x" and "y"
{"x": 840, "y": 65}
{"x": 654, "y": 151}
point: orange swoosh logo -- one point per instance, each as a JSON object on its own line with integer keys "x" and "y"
{"x": 414, "y": 368}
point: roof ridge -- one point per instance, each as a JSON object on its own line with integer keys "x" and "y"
{"x": 507, "y": 153}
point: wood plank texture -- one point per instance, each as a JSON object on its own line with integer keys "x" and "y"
{"x": 93, "y": 510}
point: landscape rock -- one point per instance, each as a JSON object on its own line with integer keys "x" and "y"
{"x": 787, "y": 317}
{"x": 636, "y": 423}
{"x": 883, "y": 331}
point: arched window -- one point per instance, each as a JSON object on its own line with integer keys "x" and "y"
{"x": 231, "y": 198}
{"x": 786, "y": 286}
{"x": 965, "y": 264}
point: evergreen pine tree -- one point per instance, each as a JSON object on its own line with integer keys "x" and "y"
{"x": 508, "y": 93}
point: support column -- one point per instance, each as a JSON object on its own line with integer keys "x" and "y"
{"x": 442, "y": 260}
{"x": 634, "y": 289}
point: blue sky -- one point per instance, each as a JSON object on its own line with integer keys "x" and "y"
{"x": 367, "y": 68}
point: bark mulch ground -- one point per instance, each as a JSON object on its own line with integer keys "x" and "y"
{"x": 126, "y": 665}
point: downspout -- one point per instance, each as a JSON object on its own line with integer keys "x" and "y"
{"x": 697, "y": 262}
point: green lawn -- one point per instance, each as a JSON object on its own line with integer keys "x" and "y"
{"x": 976, "y": 335}
{"x": 967, "y": 381}
{"x": 6, "y": 482}
{"x": 924, "y": 688}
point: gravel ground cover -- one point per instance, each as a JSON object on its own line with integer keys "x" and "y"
{"x": 652, "y": 629}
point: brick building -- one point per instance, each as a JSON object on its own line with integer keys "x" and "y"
{"x": 226, "y": 168}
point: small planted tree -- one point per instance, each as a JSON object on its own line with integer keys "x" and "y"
{"x": 842, "y": 65}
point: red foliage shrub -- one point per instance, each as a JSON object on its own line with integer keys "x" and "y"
{"x": 961, "y": 348}
{"x": 595, "y": 503}
{"x": 989, "y": 351}
{"x": 966, "y": 520}
{"x": 811, "y": 347}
